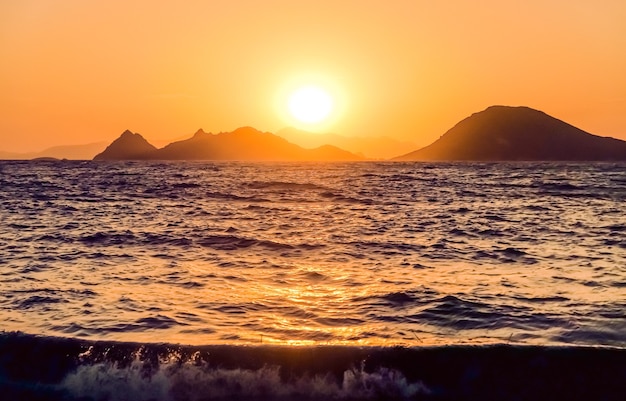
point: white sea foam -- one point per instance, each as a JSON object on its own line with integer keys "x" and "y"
{"x": 178, "y": 382}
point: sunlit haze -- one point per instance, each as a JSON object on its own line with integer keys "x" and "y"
{"x": 329, "y": 200}
{"x": 77, "y": 72}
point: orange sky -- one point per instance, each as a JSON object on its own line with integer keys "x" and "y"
{"x": 75, "y": 71}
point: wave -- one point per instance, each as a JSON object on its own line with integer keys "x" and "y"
{"x": 46, "y": 368}
{"x": 233, "y": 242}
{"x": 286, "y": 186}
{"x": 233, "y": 197}
{"x": 145, "y": 239}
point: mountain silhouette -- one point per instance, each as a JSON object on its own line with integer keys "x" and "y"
{"x": 127, "y": 146}
{"x": 503, "y": 133}
{"x": 371, "y": 147}
{"x": 70, "y": 152}
{"x": 245, "y": 143}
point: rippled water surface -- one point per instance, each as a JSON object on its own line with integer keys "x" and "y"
{"x": 360, "y": 253}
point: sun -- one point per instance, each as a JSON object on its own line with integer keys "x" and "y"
{"x": 310, "y": 104}
{"x": 311, "y": 101}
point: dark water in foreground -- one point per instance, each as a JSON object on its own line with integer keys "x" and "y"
{"x": 33, "y": 368}
{"x": 346, "y": 256}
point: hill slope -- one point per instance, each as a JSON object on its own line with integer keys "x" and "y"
{"x": 371, "y": 147}
{"x": 502, "y": 133}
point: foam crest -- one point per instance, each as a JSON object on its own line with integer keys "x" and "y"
{"x": 190, "y": 382}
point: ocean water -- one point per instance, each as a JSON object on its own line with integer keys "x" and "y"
{"x": 102, "y": 261}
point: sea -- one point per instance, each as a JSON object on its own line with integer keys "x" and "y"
{"x": 153, "y": 280}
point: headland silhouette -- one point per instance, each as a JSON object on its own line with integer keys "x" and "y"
{"x": 503, "y": 133}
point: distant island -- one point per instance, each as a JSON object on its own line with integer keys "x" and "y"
{"x": 502, "y": 133}
{"x": 75, "y": 152}
{"x": 244, "y": 144}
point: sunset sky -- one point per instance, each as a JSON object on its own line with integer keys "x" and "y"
{"x": 76, "y": 71}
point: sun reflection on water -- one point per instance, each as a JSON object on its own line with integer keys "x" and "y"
{"x": 368, "y": 254}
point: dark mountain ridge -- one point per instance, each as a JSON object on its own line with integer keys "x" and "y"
{"x": 127, "y": 146}
{"x": 245, "y": 143}
{"x": 499, "y": 133}
{"x": 503, "y": 133}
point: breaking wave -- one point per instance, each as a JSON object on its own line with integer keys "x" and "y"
{"x": 46, "y": 368}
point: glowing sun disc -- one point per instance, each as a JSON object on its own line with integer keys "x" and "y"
{"x": 310, "y": 104}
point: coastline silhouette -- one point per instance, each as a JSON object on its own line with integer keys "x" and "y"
{"x": 499, "y": 133}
